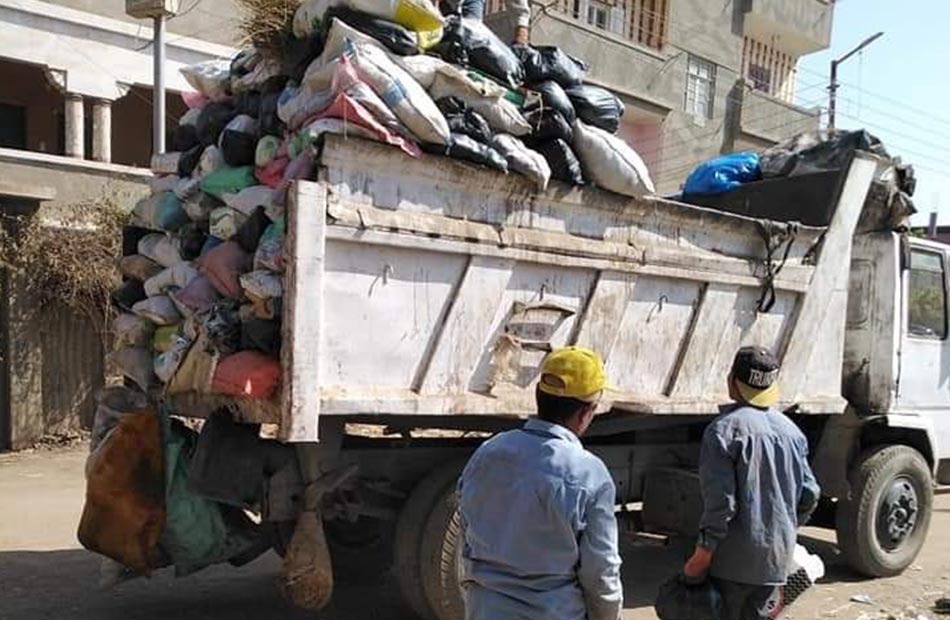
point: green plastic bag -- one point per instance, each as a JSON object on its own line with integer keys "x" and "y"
{"x": 196, "y": 534}
{"x": 227, "y": 180}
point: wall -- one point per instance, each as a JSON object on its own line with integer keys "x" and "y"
{"x": 802, "y": 26}
{"x": 210, "y": 20}
{"x": 774, "y": 119}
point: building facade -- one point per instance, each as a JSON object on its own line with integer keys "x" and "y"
{"x": 75, "y": 126}
{"x": 698, "y": 77}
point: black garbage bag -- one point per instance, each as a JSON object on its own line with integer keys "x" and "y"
{"x": 189, "y": 160}
{"x": 469, "y": 42}
{"x": 465, "y": 148}
{"x": 222, "y": 323}
{"x": 596, "y": 106}
{"x": 564, "y": 164}
{"x": 191, "y": 237}
{"x": 394, "y": 37}
{"x": 261, "y": 334}
{"x": 185, "y": 138}
{"x": 243, "y": 63}
{"x": 249, "y": 234}
{"x": 211, "y": 122}
{"x": 450, "y": 105}
{"x": 547, "y": 124}
{"x": 546, "y": 62}
{"x": 464, "y": 120}
{"x": 679, "y": 599}
{"x": 128, "y": 294}
{"x": 238, "y": 148}
{"x": 299, "y": 53}
{"x": 815, "y": 151}
{"x": 248, "y": 102}
{"x": 553, "y": 96}
{"x": 270, "y": 123}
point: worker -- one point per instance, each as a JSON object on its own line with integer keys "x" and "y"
{"x": 537, "y": 510}
{"x": 757, "y": 488}
{"x": 475, "y": 9}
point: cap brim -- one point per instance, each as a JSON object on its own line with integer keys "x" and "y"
{"x": 756, "y": 397}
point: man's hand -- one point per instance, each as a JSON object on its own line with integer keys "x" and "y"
{"x": 521, "y": 35}
{"x": 698, "y": 565}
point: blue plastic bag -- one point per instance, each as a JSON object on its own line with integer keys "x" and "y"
{"x": 723, "y": 174}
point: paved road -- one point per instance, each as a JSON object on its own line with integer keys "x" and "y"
{"x": 45, "y": 575}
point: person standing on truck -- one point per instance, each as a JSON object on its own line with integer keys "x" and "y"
{"x": 475, "y": 9}
{"x": 757, "y": 488}
{"x": 539, "y": 535}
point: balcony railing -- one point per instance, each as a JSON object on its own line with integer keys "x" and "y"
{"x": 642, "y": 21}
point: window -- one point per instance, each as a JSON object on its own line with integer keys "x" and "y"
{"x": 598, "y": 15}
{"x": 700, "y": 87}
{"x": 761, "y": 78}
{"x": 12, "y": 126}
{"x": 927, "y": 301}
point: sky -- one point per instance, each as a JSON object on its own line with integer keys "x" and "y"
{"x": 898, "y": 88}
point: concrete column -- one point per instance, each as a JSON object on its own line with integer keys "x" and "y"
{"x": 75, "y": 127}
{"x": 102, "y": 130}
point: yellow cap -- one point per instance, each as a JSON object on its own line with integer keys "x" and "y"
{"x": 573, "y": 372}
{"x": 758, "y": 397}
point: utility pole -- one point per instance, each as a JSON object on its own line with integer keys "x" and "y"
{"x": 833, "y": 85}
{"x": 158, "y": 11}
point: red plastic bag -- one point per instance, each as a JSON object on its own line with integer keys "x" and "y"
{"x": 272, "y": 174}
{"x": 224, "y": 265}
{"x": 247, "y": 374}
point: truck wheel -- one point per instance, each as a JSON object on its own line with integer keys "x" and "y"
{"x": 441, "y": 553}
{"x": 882, "y": 527}
{"x": 410, "y": 530}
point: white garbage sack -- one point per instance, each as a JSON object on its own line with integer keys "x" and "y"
{"x": 610, "y": 162}
{"x": 224, "y": 222}
{"x": 261, "y": 285}
{"x": 422, "y": 67}
{"x": 523, "y": 160}
{"x": 160, "y": 310}
{"x": 248, "y": 199}
{"x": 404, "y": 96}
{"x": 211, "y": 78}
{"x": 161, "y": 248}
{"x": 176, "y": 276}
{"x": 296, "y": 105}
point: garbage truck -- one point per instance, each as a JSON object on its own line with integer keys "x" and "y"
{"x": 421, "y": 295}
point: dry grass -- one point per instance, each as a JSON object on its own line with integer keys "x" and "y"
{"x": 71, "y": 261}
{"x": 266, "y": 24}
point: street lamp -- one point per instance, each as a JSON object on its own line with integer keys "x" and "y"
{"x": 833, "y": 86}
{"x": 158, "y": 11}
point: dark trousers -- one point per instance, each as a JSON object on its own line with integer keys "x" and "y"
{"x": 741, "y": 601}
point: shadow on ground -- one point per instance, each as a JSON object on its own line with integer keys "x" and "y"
{"x": 41, "y": 585}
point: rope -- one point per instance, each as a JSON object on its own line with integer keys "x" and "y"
{"x": 774, "y": 235}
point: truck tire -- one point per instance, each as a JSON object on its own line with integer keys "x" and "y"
{"x": 410, "y": 530}
{"x": 361, "y": 551}
{"x": 882, "y": 527}
{"x": 441, "y": 551}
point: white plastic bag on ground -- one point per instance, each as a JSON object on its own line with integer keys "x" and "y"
{"x": 248, "y": 199}
{"x": 177, "y": 276}
{"x": 404, "y": 96}
{"x": 159, "y": 310}
{"x": 523, "y": 160}
{"x": 610, "y": 162}
{"x": 161, "y": 248}
{"x": 211, "y": 78}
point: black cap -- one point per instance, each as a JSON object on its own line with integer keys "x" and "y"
{"x": 755, "y": 367}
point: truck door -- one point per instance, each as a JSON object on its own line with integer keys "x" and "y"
{"x": 924, "y": 385}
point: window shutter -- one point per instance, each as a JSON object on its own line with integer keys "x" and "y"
{"x": 617, "y": 20}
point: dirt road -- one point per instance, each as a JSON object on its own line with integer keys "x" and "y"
{"x": 45, "y": 575}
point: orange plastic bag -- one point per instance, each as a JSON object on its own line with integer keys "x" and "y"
{"x": 124, "y": 514}
{"x": 247, "y": 374}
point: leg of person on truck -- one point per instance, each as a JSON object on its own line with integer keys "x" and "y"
{"x": 757, "y": 488}
{"x": 537, "y": 509}
{"x": 475, "y": 9}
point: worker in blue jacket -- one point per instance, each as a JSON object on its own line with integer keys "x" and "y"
{"x": 757, "y": 489}
{"x": 537, "y": 510}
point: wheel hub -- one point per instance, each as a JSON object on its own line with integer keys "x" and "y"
{"x": 897, "y": 515}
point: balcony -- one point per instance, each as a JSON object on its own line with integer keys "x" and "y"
{"x": 767, "y": 119}
{"x": 802, "y": 26}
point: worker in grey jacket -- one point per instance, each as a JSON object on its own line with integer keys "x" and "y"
{"x": 539, "y": 535}
{"x": 757, "y": 488}
{"x": 475, "y": 9}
